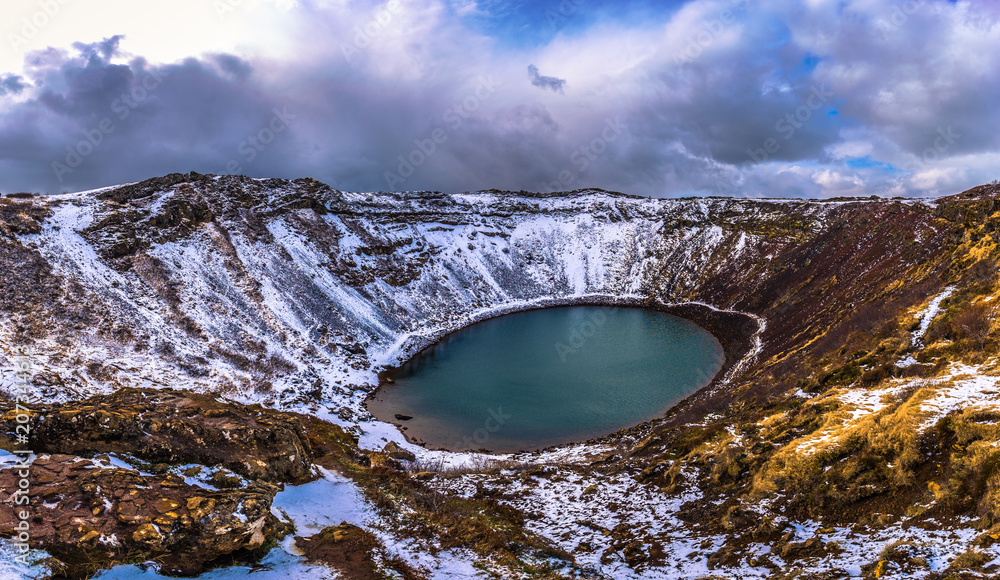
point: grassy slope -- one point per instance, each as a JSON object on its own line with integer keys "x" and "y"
{"x": 835, "y": 327}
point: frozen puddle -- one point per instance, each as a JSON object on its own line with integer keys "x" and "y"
{"x": 328, "y": 501}
{"x": 277, "y": 565}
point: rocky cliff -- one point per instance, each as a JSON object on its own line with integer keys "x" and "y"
{"x": 295, "y": 295}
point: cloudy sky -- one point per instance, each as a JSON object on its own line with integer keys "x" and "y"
{"x": 810, "y": 98}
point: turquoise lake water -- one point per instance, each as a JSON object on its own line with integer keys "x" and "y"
{"x": 547, "y": 377}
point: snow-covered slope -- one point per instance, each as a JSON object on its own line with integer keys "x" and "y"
{"x": 285, "y": 291}
{"x": 296, "y": 295}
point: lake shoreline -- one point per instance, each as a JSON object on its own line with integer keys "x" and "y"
{"x": 734, "y": 331}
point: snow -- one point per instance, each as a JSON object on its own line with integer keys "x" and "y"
{"x": 960, "y": 387}
{"x": 11, "y": 569}
{"x": 865, "y": 402}
{"x": 328, "y": 501}
{"x": 114, "y": 461}
{"x": 928, "y": 315}
{"x": 559, "y": 506}
{"x": 967, "y": 389}
{"x": 526, "y": 252}
{"x": 532, "y": 252}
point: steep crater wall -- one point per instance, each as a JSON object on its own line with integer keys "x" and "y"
{"x": 292, "y": 293}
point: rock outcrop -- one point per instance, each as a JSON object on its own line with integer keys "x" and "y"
{"x": 90, "y": 517}
{"x": 174, "y": 427}
{"x": 351, "y": 551}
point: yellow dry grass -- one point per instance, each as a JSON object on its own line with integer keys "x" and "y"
{"x": 891, "y": 435}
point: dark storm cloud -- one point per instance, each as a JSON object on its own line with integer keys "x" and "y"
{"x": 233, "y": 66}
{"x": 908, "y": 84}
{"x": 914, "y": 68}
{"x": 543, "y": 82}
{"x": 837, "y": 102}
{"x": 11, "y": 84}
{"x": 95, "y": 122}
{"x": 98, "y": 52}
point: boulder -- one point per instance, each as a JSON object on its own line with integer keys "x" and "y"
{"x": 393, "y": 450}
